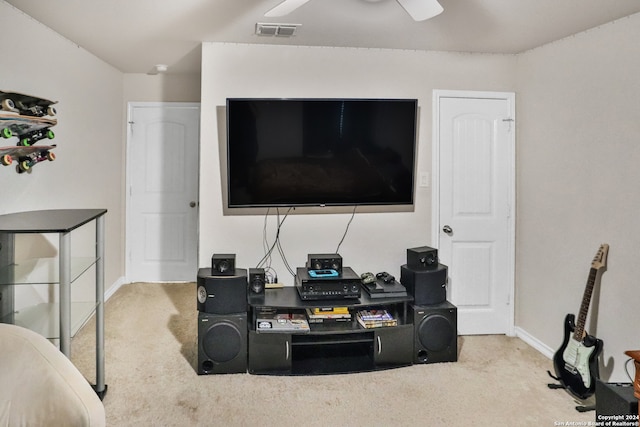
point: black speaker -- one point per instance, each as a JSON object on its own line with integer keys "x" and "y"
{"x": 222, "y": 343}
{"x": 436, "y": 333}
{"x": 422, "y": 258}
{"x": 324, "y": 262}
{"x": 426, "y": 286}
{"x": 222, "y": 294}
{"x": 257, "y": 281}
{"x": 615, "y": 399}
{"x": 223, "y": 264}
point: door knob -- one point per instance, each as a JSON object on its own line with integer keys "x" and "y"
{"x": 192, "y": 204}
{"x": 447, "y": 229}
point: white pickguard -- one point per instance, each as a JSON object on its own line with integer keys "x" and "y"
{"x": 576, "y": 358}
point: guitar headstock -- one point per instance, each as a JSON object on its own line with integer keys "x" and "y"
{"x": 600, "y": 260}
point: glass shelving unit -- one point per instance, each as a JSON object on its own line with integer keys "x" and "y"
{"x": 61, "y": 319}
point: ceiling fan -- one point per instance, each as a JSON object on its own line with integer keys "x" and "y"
{"x": 420, "y": 10}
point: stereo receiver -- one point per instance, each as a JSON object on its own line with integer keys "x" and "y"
{"x": 343, "y": 286}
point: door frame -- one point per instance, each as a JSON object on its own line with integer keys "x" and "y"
{"x": 435, "y": 179}
{"x": 128, "y": 164}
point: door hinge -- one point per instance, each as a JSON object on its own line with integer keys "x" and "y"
{"x": 509, "y": 120}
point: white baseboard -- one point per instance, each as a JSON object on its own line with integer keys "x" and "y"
{"x": 534, "y": 342}
{"x": 113, "y": 288}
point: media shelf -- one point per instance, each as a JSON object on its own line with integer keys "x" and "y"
{"x": 61, "y": 319}
{"x": 327, "y": 349}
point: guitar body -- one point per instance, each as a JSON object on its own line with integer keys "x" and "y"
{"x": 576, "y": 362}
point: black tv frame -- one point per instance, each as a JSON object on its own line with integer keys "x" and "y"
{"x": 317, "y": 206}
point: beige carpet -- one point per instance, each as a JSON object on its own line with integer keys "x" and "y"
{"x": 150, "y": 348}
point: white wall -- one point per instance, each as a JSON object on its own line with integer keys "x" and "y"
{"x": 88, "y": 171}
{"x": 578, "y": 172}
{"x": 376, "y": 241}
{"x": 161, "y": 88}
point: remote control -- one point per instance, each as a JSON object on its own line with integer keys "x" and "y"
{"x": 323, "y": 273}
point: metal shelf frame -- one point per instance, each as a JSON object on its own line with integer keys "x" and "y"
{"x": 70, "y": 316}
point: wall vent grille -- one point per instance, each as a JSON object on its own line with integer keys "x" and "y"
{"x": 278, "y": 30}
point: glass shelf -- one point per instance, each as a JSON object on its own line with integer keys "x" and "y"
{"x": 44, "y": 318}
{"x": 39, "y": 271}
{"x": 48, "y": 319}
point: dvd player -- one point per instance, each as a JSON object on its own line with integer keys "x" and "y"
{"x": 343, "y": 286}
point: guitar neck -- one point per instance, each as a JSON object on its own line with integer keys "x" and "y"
{"x": 578, "y": 333}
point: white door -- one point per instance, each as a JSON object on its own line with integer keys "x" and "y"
{"x": 162, "y": 180}
{"x": 474, "y": 145}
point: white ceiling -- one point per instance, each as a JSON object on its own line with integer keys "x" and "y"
{"x": 134, "y": 35}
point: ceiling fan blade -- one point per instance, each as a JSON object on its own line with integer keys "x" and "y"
{"x": 421, "y": 10}
{"x": 285, "y": 8}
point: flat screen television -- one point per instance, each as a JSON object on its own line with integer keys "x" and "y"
{"x": 320, "y": 152}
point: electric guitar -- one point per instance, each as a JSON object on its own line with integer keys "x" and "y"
{"x": 576, "y": 361}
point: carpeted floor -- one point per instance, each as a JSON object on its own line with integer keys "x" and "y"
{"x": 151, "y": 353}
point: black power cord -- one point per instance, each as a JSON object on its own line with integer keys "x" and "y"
{"x": 265, "y": 262}
{"x": 353, "y": 214}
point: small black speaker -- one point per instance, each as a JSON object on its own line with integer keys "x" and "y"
{"x": 615, "y": 399}
{"x": 257, "y": 281}
{"x": 324, "y": 262}
{"x": 222, "y": 343}
{"x": 436, "y": 333}
{"x": 223, "y": 264}
{"x": 426, "y": 286}
{"x": 422, "y": 258}
{"x": 222, "y": 294}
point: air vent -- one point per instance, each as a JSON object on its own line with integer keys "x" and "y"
{"x": 266, "y": 30}
{"x": 286, "y": 30}
{"x": 280, "y": 30}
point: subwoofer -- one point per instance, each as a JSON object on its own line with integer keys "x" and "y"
{"x": 222, "y": 294}
{"x": 436, "y": 333}
{"x": 222, "y": 343}
{"x": 426, "y": 286}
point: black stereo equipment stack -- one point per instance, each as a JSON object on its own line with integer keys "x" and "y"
{"x": 229, "y": 298}
{"x": 434, "y": 318}
{"x": 222, "y": 317}
{"x": 324, "y": 278}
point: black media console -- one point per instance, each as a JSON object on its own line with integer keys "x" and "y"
{"x": 329, "y": 348}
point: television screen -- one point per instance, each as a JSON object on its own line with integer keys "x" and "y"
{"x": 320, "y": 152}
